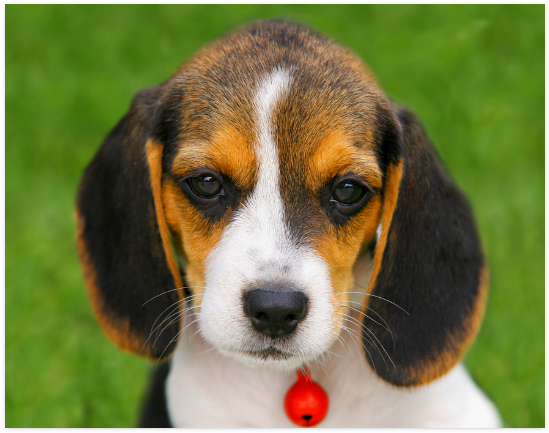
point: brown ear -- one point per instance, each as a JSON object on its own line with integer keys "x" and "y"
{"x": 429, "y": 281}
{"x": 130, "y": 272}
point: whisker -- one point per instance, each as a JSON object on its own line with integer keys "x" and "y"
{"x": 177, "y": 317}
{"x": 173, "y": 290}
{"x": 368, "y": 317}
{"x": 173, "y": 307}
{"x": 354, "y": 338}
{"x": 175, "y": 338}
{"x": 171, "y": 341}
{"x": 170, "y": 319}
{"x": 177, "y": 303}
{"x": 163, "y": 293}
{"x": 173, "y": 312}
{"x": 371, "y": 341}
{"x": 205, "y": 351}
{"x": 375, "y": 296}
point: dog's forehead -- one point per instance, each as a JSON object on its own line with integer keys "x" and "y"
{"x": 330, "y": 101}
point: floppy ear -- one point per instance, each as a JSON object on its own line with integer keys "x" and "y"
{"x": 427, "y": 261}
{"x": 123, "y": 241}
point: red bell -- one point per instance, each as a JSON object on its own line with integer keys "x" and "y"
{"x": 306, "y": 402}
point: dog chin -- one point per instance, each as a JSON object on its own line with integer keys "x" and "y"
{"x": 269, "y": 359}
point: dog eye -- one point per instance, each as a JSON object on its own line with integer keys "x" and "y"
{"x": 348, "y": 193}
{"x": 205, "y": 185}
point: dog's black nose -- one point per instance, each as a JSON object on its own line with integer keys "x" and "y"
{"x": 275, "y": 313}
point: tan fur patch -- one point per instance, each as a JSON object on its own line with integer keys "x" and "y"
{"x": 228, "y": 152}
{"x": 234, "y": 156}
{"x": 336, "y": 155}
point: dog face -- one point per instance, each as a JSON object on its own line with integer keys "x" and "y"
{"x": 275, "y": 190}
{"x": 268, "y": 162}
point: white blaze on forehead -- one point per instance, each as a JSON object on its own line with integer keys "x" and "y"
{"x": 269, "y": 93}
{"x": 266, "y": 200}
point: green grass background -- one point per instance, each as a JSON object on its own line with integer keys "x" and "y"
{"x": 473, "y": 74}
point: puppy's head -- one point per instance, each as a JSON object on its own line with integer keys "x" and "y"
{"x": 266, "y": 164}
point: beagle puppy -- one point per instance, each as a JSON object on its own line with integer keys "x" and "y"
{"x": 268, "y": 207}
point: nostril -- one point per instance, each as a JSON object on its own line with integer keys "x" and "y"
{"x": 291, "y": 320}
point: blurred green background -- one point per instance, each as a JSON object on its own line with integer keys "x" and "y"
{"x": 473, "y": 74}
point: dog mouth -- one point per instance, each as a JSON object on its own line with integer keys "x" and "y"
{"x": 269, "y": 357}
{"x": 270, "y": 353}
